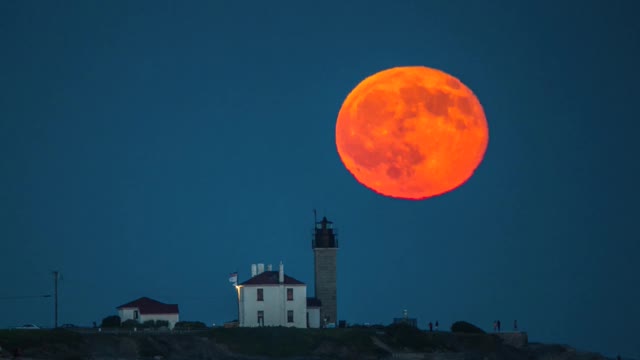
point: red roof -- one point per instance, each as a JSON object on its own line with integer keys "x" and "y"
{"x": 149, "y": 306}
{"x": 271, "y": 278}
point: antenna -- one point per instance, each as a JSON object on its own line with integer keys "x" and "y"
{"x": 315, "y": 218}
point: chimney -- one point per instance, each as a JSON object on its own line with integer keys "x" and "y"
{"x": 281, "y": 273}
{"x": 269, "y": 267}
{"x": 260, "y": 268}
{"x": 254, "y": 270}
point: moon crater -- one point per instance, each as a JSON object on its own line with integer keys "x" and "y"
{"x": 411, "y": 132}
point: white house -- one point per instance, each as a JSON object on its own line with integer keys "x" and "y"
{"x": 313, "y": 312}
{"x": 145, "y": 309}
{"x": 271, "y": 298}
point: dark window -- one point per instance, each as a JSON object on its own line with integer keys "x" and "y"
{"x": 290, "y": 316}
{"x": 135, "y": 315}
{"x": 260, "y": 295}
{"x": 260, "y": 318}
{"x": 289, "y": 294}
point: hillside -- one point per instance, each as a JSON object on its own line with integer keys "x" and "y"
{"x": 398, "y": 342}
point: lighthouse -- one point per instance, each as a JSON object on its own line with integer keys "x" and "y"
{"x": 325, "y": 250}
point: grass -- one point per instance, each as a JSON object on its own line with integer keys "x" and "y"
{"x": 404, "y": 337}
{"x": 485, "y": 343}
{"x": 284, "y": 342}
{"x": 277, "y": 342}
{"x": 24, "y": 339}
{"x": 49, "y": 344}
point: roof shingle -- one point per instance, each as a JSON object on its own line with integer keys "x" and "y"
{"x": 149, "y": 306}
{"x": 271, "y": 278}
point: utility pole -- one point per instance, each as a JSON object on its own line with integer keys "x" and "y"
{"x": 56, "y": 276}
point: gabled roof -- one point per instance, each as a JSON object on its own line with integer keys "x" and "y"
{"x": 271, "y": 278}
{"x": 149, "y": 306}
{"x": 313, "y": 302}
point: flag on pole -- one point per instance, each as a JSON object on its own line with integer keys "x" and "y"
{"x": 233, "y": 278}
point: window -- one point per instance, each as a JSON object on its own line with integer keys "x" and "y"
{"x": 260, "y": 318}
{"x": 136, "y": 315}
{"x": 290, "y": 316}
{"x": 260, "y": 295}
{"x": 290, "y": 294}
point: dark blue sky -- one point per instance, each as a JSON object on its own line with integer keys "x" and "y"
{"x": 149, "y": 148}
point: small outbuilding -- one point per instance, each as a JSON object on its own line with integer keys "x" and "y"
{"x": 145, "y": 309}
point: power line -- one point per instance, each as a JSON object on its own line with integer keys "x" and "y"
{"x": 24, "y": 297}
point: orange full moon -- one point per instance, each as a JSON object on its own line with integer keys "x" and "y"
{"x": 411, "y": 132}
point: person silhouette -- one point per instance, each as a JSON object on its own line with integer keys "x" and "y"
{"x": 430, "y": 326}
{"x": 436, "y": 325}
{"x": 498, "y": 325}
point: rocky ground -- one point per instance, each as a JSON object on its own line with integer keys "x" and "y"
{"x": 278, "y": 343}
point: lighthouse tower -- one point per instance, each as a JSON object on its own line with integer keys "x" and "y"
{"x": 325, "y": 249}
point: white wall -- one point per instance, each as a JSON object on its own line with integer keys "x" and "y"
{"x": 127, "y": 314}
{"x": 275, "y": 305}
{"x": 171, "y": 318}
{"x": 314, "y": 317}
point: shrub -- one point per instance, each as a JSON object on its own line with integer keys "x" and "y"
{"x": 465, "y": 327}
{"x": 111, "y": 321}
{"x": 149, "y": 324}
{"x": 406, "y": 335}
{"x": 130, "y": 324}
{"x": 162, "y": 323}
{"x": 190, "y": 325}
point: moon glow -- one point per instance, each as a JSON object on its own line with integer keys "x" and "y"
{"x": 411, "y": 132}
